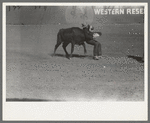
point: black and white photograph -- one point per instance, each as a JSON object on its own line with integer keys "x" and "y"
{"x": 80, "y": 53}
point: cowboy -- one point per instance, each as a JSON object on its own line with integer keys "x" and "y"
{"x": 91, "y": 35}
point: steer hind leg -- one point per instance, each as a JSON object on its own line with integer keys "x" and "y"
{"x": 59, "y": 41}
{"x": 56, "y": 46}
{"x": 64, "y": 47}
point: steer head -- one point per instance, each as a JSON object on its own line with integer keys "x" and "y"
{"x": 88, "y": 27}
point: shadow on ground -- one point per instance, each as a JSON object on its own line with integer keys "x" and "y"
{"x": 73, "y": 55}
{"x": 139, "y": 59}
{"x": 29, "y": 100}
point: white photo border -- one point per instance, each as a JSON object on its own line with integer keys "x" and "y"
{"x": 78, "y": 111}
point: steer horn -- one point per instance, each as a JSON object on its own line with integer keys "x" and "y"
{"x": 84, "y": 25}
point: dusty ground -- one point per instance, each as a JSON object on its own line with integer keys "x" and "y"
{"x": 32, "y": 73}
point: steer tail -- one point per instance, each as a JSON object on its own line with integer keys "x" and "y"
{"x": 59, "y": 41}
{"x": 59, "y": 37}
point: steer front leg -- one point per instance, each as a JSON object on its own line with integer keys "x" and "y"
{"x": 64, "y": 47}
{"x": 85, "y": 51}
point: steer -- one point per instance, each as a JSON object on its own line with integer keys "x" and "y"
{"x": 74, "y": 35}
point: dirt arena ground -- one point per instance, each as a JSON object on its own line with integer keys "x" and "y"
{"x": 33, "y": 74}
